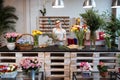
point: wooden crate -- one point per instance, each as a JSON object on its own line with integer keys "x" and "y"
{"x": 57, "y": 65}
{"x": 76, "y": 58}
{"x": 109, "y": 59}
{"x": 7, "y": 57}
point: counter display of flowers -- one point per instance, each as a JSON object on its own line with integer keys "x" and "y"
{"x": 79, "y": 32}
{"x": 11, "y": 39}
{"x": 85, "y": 68}
{"x": 30, "y": 65}
{"x": 8, "y": 71}
{"x": 36, "y": 34}
{"x": 107, "y": 38}
{"x": 103, "y": 69}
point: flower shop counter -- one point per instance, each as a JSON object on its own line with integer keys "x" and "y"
{"x": 60, "y": 62}
{"x": 61, "y": 49}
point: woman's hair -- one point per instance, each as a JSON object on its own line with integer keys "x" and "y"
{"x": 57, "y": 21}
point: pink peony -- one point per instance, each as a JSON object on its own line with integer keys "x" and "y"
{"x": 30, "y": 63}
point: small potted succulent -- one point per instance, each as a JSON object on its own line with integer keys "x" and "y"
{"x": 103, "y": 69}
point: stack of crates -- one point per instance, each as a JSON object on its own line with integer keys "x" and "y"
{"x": 57, "y": 66}
{"x": 77, "y": 57}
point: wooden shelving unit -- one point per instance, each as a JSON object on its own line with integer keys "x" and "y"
{"x": 47, "y": 23}
{"x": 61, "y": 65}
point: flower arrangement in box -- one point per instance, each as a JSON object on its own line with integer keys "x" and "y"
{"x": 36, "y": 34}
{"x": 80, "y": 33}
{"x": 28, "y": 64}
{"x": 9, "y": 71}
{"x": 107, "y": 38}
{"x": 85, "y": 66}
{"x": 103, "y": 69}
{"x": 11, "y": 36}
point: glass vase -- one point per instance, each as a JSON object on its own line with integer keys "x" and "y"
{"x": 80, "y": 43}
{"x": 33, "y": 74}
{"x": 36, "y": 41}
{"x": 108, "y": 43}
{"x": 92, "y": 41}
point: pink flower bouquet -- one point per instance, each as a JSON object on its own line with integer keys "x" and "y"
{"x": 85, "y": 66}
{"x": 11, "y": 36}
{"x": 30, "y": 64}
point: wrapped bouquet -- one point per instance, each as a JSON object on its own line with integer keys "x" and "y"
{"x": 28, "y": 64}
{"x": 85, "y": 66}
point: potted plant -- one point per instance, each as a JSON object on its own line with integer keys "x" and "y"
{"x": 94, "y": 21}
{"x": 7, "y": 18}
{"x": 11, "y": 39}
{"x": 103, "y": 69}
{"x": 112, "y": 27}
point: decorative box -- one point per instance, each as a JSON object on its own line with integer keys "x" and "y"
{"x": 86, "y": 74}
{"x": 9, "y": 74}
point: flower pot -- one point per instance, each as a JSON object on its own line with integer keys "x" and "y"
{"x": 11, "y": 46}
{"x": 86, "y": 74}
{"x": 9, "y": 74}
{"x": 103, "y": 74}
{"x": 119, "y": 70}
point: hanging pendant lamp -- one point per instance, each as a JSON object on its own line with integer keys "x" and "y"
{"x": 116, "y": 4}
{"x": 58, "y": 4}
{"x": 89, "y": 4}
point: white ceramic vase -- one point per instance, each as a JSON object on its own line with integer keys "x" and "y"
{"x": 11, "y": 46}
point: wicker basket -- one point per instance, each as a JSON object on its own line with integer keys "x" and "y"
{"x": 24, "y": 46}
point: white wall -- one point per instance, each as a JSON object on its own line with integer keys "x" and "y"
{"x": 74, "y": 7}
{"x": 28, "y": 11}
{"x": 118, "y": 13}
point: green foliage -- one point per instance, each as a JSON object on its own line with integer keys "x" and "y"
{"x": 92, "y": 19}
{"x": 7, "y": 17}
{"x": 102, "y": 68}
{"x": 112, "y": 27}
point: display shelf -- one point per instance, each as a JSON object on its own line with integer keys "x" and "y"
{"x": 47, "y": 23}
{"x": 59, "y": 64}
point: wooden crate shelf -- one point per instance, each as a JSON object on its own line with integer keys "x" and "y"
{"x": 57, "y": 65}
{"x": 60, "y": 65}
